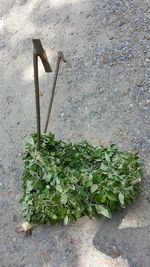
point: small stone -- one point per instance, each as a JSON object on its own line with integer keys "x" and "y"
{"x": 72, "y": 240}
{"x": 147, "y": 60}
{"x": 125, "y": 92}
{"x": 14, "y": 218}
{"x": 9, "y": 190}
{"x": 116, "y": 253}
{"x": 101, "y": 91}
{"x": 62, "y": 115}
{"x": 121, "y": 23}
{"x": 87, "y": 16}
{"x": 14, "y": 239}
{"x": 41, "y": 93}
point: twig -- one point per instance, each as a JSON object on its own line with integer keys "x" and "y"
{"x": 137, "y": 181}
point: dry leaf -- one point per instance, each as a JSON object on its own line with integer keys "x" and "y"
{"x": 41, "y": 93}
{"x": 116, "y": 253}
{"x": 123, "y": 133}
{"x": 24, "y": 227}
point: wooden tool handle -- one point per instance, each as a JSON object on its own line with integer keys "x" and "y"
{"x": 39, "y": 50}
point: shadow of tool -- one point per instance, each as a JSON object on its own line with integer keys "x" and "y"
{"x": 130, "y": 243}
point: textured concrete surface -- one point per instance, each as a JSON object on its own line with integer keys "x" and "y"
{"x": 103, "y": 98}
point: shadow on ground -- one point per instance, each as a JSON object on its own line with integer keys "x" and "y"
{"x": 131, "y": 243}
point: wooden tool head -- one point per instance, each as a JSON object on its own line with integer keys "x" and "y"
{"x": 39, "y": 50}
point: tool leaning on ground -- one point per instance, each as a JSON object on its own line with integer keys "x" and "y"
{"x": 40, "y": 52}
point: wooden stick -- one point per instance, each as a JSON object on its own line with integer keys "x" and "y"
{"x": 59, "y": 58}
{"x": 39, "y": 51}
{"x": 37, "y": 98}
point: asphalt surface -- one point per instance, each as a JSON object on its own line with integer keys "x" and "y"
{"x": 104, "y": 98}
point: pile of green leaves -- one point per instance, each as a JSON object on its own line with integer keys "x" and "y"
{"x": 66, "y": 181}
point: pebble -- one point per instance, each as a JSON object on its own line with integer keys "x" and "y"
{"x": 62, "y": 115}
{"x": 14, "y": 218}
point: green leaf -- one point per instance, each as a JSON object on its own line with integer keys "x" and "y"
{"x": 103, "y": 167}
{"x": 33, "y": 167}
{"x": 101, "y": 197}
{"x": 111, "y": 197}
{"x": 78, "y": 214}
{"x": 66, "y": 181}
{"x": 57, "y": 180}
{"x": 121, "y": 198}
{"x": 66, "y": 220}
{"x": 59, "y": 188}
{"x": 94, "y": 188}
{"x": 31, "y": 141}
{"x": 63, "y": 199}
{"x": 47, "y": 193}
{"x": 107, "y": 157}
{"x": 54, "y": 217}
{"x": 88, "y": 183}
{"x": 29, "y": 186}
{"x": 98, "y": 152}
{"x": 97, "y": 178}
{"x": 47, "y": 177}
{"x": 101, "y": 210}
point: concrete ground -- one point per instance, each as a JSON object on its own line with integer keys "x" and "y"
{"x": 103, "y": 98}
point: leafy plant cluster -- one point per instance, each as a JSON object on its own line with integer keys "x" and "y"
{"x": 66, "y": 181}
